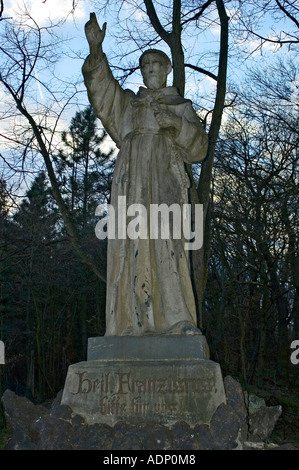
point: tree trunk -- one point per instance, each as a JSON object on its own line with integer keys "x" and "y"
{"x": 201, "y": 257}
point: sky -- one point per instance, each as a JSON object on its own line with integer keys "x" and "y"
{"x": 73, "y": 28}
{"x": 55, "y": 10}
{"x": 43, "y": 10}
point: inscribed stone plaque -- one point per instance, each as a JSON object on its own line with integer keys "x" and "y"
{"x": 160, "y": 391}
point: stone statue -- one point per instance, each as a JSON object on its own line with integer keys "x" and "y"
{"x": 149, "y": 290}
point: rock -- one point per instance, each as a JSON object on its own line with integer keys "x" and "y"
{"x": 62, "y": 412}
{"x": 185, "y": 438}
{"x": 236, "y": 399}
{"x": 228, "y": 428}
{"x": 20, "y": 440}
{"x": 127, "y": 441}
{"x": 56, "y": 427}
{"x": 255, "y": 403}
{"x": 61, "y": 429}
{"x": 125, "y": 437}
{"x": 21, "y": 414}
{"x": 94, "y": 437}
{"x": 57, "y": 400}
{"x": 156, "y": 437}
{"x": 249, "y": 445}
{"x": 204, "y": 436}
{"x": 54, "y": 433}
{"x": 78, "y": 421}
{"x": 225, "y": 427}
{"x": 262, "y": 422}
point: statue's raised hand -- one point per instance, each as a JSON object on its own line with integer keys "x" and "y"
{"x": 94, "y": 34}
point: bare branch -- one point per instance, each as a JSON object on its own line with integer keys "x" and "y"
{"x": 152, "y": 14}
{"x": 291, "y": 17}
{"x": 274, "y": 41}
{"x": 199, "y": 13}
{"x": 201, "y": 70}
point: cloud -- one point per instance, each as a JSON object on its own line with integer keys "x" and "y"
{"x": 255, "y": 46}
{"x": 44, "y": 10}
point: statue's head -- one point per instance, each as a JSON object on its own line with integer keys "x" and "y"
{"x": 155, "y": 66}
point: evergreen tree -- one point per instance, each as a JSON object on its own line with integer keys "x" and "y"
{"x": 85, "y": 170}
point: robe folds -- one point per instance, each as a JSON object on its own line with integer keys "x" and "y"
{"x": 149, "y": 289}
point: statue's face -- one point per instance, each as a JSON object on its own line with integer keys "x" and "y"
{"x": 154, "y": 71}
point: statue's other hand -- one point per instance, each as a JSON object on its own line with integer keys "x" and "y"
{"x": 94, "y": 34}
{"x": 167, "y": 119}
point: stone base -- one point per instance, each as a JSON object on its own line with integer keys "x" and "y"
{"x": 147, "y": 348}
{"x": 151, "y": 379}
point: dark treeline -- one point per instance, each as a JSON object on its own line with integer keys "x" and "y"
{"x": 50, "y": 303}
{"x": 251, "y": 305}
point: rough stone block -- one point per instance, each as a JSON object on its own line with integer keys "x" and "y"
{"x": 121, "y": 386}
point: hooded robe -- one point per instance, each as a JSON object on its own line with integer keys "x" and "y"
{"x": 149, "y": 288}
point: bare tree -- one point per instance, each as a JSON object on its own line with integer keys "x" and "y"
{"x": 27, "y": 52}
{"x": 255, "y": 219}
{"x": 283, "y": 15}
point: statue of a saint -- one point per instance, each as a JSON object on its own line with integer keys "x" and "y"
{"x": 149, "y": 288}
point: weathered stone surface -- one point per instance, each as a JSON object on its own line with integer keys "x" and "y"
{"x": 225, "y": 427}
{"x": 287, "y": 446}
{"x": 161, "y": 392}
{"x": 225, "y": 430}
{"x": 125, "y": 437}
{"x": 255, "y": 403}
{"x": 53, "y": 433}
{"x": 236, "y": 399}
{"x": 20, "y": 440}
{"x": 262, "y": 419}
{"x": 157, "y": 380}
{"x": 149, "y": 287}
{"x": 205, "y": 437}
{"x": 127, "y": 441}
{"x": 21, "y": 415}
{"x": 184, "y": 437}
{"x": 149, "y": 348}
{"x": 95, "y": 437}
{"x": 156, "y": 437}
{"x": 37, "y": 428}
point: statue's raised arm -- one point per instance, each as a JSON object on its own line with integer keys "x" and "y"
{"x": 95, "y": 37}
{"x": 104, "y": 92}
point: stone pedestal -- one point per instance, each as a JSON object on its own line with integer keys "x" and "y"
{"x": 158, "y": 379}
